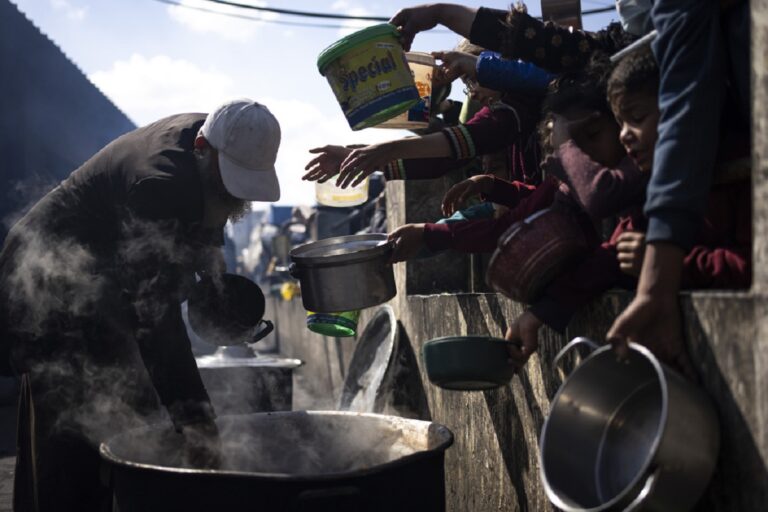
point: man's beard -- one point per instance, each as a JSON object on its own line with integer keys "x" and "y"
{"x": 236, "y": 208}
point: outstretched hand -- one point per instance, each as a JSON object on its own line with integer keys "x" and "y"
{"x": 361, "y": 162}
{"x": 408, "y": 241}
{"x": 457, "y": 195}
{"x": 326, "y": 164}
{"x": 525, "y": 331}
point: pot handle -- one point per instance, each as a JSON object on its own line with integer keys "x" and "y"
{"x": 650, "y": 485}
{"x": 294, "y": 271}
{"x": 268, "y": 328}
{"x": 575, "y": 342}
{"x": 341, "y": 498}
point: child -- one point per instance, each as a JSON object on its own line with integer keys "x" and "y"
{"x": 576, "y": 103}
{"x": 720, "y": 257}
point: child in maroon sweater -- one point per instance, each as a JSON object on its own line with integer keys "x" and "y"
{"x": 720, "y": 257}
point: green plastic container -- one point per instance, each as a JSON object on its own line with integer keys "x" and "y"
{"x": 339, "y": 325}
{"x": 369, "y": 75}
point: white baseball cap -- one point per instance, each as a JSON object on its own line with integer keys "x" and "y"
{"x": 246, "y": 136}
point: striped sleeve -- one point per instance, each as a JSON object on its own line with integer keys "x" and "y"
{"x": 460, "y": 140}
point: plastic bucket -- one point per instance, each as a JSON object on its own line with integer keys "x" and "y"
{"x": 339, "y": 325}
{"x": 369, "y": 75}
{"x": 329, "y": 194}
{"x": 417, "y": 117}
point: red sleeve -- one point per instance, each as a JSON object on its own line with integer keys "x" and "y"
{"x": 721, "y": 257}
{"x": 720, "y": 267}
{"x": 602, "y": 191}
{"x": 487, "y": 132}
{"x": 483, "y": 235}
{"x": 508, "y": 193}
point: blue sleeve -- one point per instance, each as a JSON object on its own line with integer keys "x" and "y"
{"x": 506, "y": 75}
{"x": 691, "y": 63}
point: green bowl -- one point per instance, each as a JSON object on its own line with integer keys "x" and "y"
{"x": 468, "y": 363}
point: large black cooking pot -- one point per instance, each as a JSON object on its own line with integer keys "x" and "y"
{"x": 286, "y": 461}
{"x": 228, "y": 310}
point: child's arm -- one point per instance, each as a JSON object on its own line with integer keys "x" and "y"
{"x": 468, "y": 236}
{"x": 489, "y": 188}
{"x": 487, "y": 132}
{"x": 602, "y": 191}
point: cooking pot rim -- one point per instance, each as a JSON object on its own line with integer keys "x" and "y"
{"x": 645, "y": 471}
{"x": 110, "y": 457}
{"x": 297, "y": 256}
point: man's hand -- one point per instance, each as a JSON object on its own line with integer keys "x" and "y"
{"x": 327, "y": 164}
{"x": 458, "y": 194}
{"x": 457, "y": 64}
{"x": 524, "y": 330}
{"x": 202, "y": 445}
{"x": 408, "y": 241}
{"x": 630, "y": 252}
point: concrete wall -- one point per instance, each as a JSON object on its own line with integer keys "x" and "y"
{"x": 494, "y": 463}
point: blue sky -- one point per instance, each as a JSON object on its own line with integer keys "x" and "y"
{"x": 153, "y": 59}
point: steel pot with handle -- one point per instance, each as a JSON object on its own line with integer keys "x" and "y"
{"x": 627, "y": 435}
{"x": 228, "y": 310}
{"x": 344, "y": 273}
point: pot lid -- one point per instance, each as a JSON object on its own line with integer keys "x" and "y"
{"x": 232, "y": 356}
{"x": 341, "y": 249}
{"x": 365, "y": 384}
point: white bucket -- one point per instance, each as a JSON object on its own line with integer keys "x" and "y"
{"x": 422, "y": 68}
{"x": 329, "y": 194}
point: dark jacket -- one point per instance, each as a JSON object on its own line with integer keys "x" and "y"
{"x": 98, "y": 267}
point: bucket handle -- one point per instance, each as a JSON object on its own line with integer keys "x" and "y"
{"x": 575, "y": 342}
{"x": 268, "y": 328}
{"x": 650, "y": 485}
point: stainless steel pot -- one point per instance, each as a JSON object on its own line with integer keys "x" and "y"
{"x": 286, "y": 461}
{"x": 627, "y": 435}
{"x": 344, "y": 273}
{"x": 239, "y": 381}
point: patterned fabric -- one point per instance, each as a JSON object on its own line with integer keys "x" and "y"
{"x": 394, "y": 170}
{"x": 462, "y": 145}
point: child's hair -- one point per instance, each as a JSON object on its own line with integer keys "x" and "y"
{"x": 584, "y": 88}
{"x": 636, "y": 72}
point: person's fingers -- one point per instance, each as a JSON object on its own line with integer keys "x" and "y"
{"x": 516, "y": 354}
{"x": 617, "y": 337}
{"x": 439, "y": 55}
{"x": 361, "y": 177}
{"x": 313, "y": 162}
{"x": 351, "y": 174}
{"x": 319, "y": 150}
{"x": 625, "y": 257}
